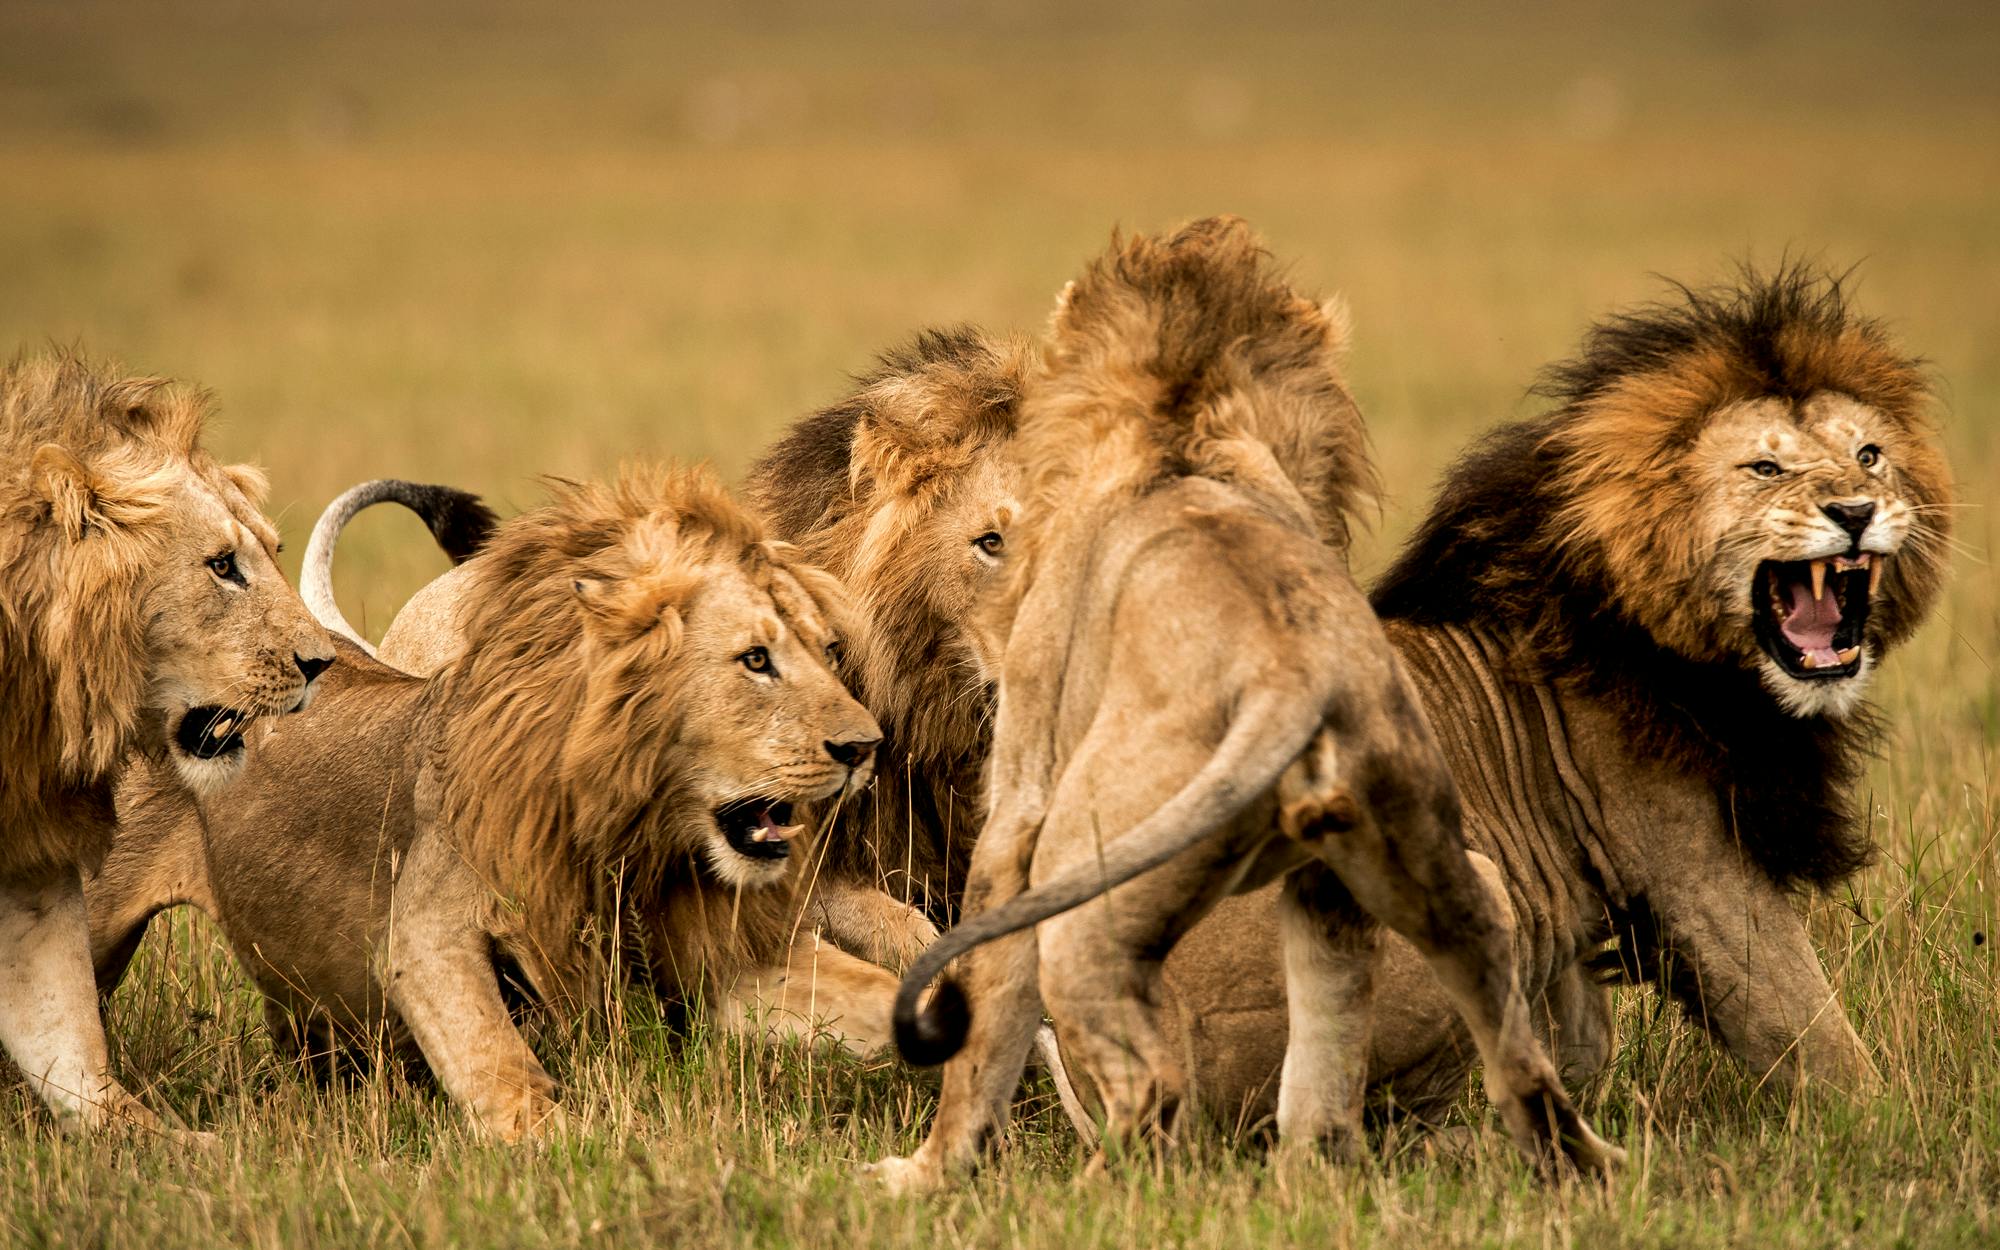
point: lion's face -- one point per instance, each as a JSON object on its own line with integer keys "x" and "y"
{"x": 927, "y": 560}
{"x": 739, "y": 665}
{"x": 1797, "y": 539}
{"x": 1811, "y": 508}
{"x": 228, "y": 638}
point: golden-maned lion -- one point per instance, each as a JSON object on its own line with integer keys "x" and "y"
{"x": 141, "y": 613}
{"x": 1641, "y": 626}
{"x": 1194, "y": 699}
{"x": 644, "y": 697}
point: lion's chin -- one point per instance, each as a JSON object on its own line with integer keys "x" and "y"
{"x": 1818, "y": 697}
{"x": 208, "y": 775}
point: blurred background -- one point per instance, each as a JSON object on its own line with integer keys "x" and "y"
{"x": 477, "y": 242}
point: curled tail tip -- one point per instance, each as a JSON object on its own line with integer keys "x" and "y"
{"x": 929, "y": 1035}
{"x": 460, "y": 521}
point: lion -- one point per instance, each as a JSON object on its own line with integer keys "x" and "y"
{"x": 1192, "y": 461}
{"x": 1642, "y": 626}
{"x": 142, "y": 615}
{"x": 611, "y": 772}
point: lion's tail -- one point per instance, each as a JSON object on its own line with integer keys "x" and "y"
{"x": 459, "y": 521}
{"x": 1270, "y": 729}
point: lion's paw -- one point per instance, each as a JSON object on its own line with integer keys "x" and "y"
{"x": 898, "y": 1176}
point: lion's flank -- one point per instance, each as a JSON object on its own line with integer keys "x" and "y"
{"x": 1189, "y": 354}
{"x": 560, "y": 774}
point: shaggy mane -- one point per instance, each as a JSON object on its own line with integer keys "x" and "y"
{"x": 73, "y": 664}
{"x": 1190, "y": 355}
{"x": 1503, "y": 548}
{"x": 561, "y": 777}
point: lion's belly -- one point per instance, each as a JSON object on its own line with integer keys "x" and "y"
{"x": 301, "y": 865}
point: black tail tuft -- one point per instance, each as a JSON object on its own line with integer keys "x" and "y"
{"x": 928, "y": 1037}
{"x": 458, "y": 519}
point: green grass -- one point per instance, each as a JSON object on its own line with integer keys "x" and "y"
{"x": 473, "y": 245}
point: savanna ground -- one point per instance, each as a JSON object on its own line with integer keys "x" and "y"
{"x": 472, "y": 244}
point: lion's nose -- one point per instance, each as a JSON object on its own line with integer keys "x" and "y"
{"x": 1852, "y": 517}
{"x": 311, "y": 666}
{"x": 854, "y": 752}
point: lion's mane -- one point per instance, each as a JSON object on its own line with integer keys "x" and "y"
{"x": 73, "y": 615}
{"x": 1189, "y": 354}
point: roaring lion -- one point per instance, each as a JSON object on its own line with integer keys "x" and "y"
{"x": 1642, "y": 626}
{"x": 1194, "y": 699}
{"x": 611, "y": 771}
{"x": 142, "y": 615}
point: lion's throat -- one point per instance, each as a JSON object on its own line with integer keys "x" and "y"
{"x": 1810, "y": 623}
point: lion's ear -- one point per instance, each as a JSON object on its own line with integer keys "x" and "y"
{"x": 74, "y": 494}
{"x": 156, "y": 407}
{"x": 621, "y": 609}
{"x": 250, "y": 480}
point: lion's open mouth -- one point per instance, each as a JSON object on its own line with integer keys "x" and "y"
{"x": 1812, "y": 615}
{"x": 209, "y": 733}
{"x": 758, "y": 828}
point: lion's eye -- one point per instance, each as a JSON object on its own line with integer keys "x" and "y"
{"x": 1767, "y": 469}
{"x": 991, "y": 543}
{"x": 756, "y": 659}
{"x": 224, "y": 567}
{"x": 836, "y": 651}
{"x": 1868, "y": 457}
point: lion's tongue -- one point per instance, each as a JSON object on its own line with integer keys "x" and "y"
{"x": 1810, "y": 624}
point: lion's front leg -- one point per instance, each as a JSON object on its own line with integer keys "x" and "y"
{"x": 49, "y": 1021}
{"x": 436, "y": 970}
{"x": 869, "y": 923}
{"x": 819, "y": 992}
{"x": 1738, "y": 954}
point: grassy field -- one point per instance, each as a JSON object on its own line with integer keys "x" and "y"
{"x": 474, "y": 244}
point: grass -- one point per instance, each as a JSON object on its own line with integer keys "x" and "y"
{"x": 474, "y": 244}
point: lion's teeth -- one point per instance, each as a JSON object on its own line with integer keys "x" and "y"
{"x": 1875, "y": 568}
{"x": 1850, "y": 655}
{"x": 1806, "y": 660}
{"x": 760, "y": 835}
{"x": 1819, "y": 580}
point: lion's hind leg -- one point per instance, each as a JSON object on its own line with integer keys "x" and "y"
{"x": 1330, "y": 951}
{"x": 1387, "y": 822}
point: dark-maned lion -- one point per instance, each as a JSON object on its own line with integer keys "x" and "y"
{"x": 1194, "y": 698}
{"x": 141, "y": 613}
{"x": 643, "y": 698}
{"x": 1641, "y": 626}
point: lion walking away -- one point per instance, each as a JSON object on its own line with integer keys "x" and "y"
{"x": 1192, "y": 458}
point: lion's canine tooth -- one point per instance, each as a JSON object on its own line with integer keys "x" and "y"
{"x": 1875, "y": 568}
{"x": 1819, "y": 580}
{"x": 1806, "y": 660}
{"x": 1850, "y": 655}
